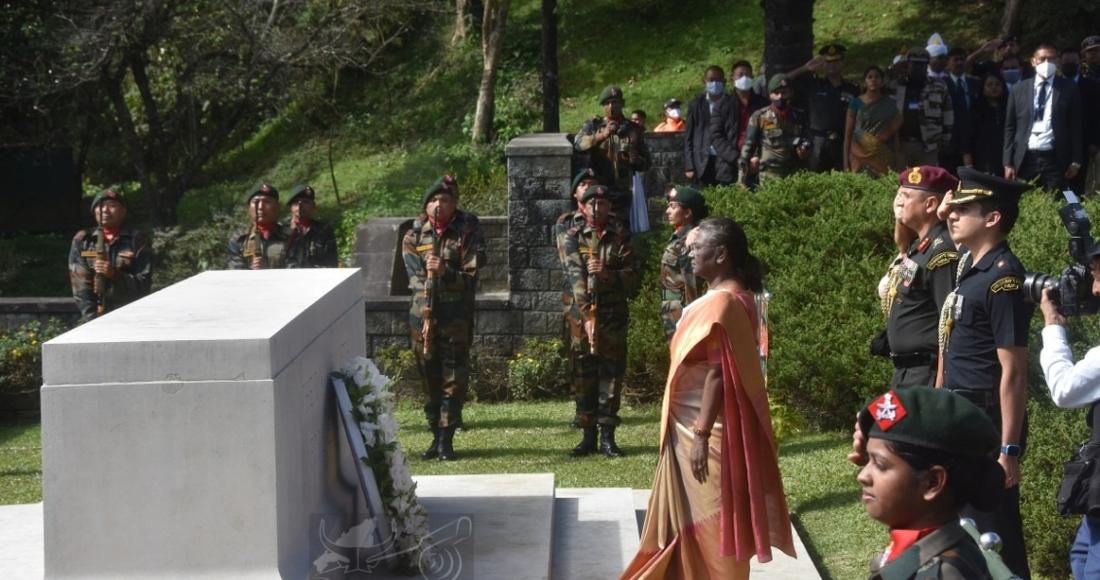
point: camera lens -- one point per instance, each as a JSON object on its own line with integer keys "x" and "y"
{"x": 1034, "y": 283}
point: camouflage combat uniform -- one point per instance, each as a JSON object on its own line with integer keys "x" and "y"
{"x": 445, "y": 370}
{"x": 275, "y": 249}
{"x": 129, "y": 252}
{"x": 934, "y": 119}
{"x": 598, "y": 378}
{"x": 615, "y": 159}
{"x": 573, "y": 319}
{"x": 773, "y": 137}
{"x": 314, "y": 247}
{"x": 679, "y": 285}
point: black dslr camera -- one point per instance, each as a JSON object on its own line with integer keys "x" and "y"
{"x": 1071, "y": 292}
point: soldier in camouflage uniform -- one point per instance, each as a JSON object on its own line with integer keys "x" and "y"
{"x": 599, "y": 267}
{"x": 617, "y": 149}
{"x": 928, "y": 117}
{"x": 125, "y": 268}
{"x": 443, "y": 252}
{"x": 267, "y": 243}
{"x": 573, "y": 322}
{"x": 777, "y": 138}
{"x": 679, "y": 285}
{"x": 313, "y": 242}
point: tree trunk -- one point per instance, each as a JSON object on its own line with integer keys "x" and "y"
{"x": 461, "y": 8}
{"x": 1010, "y": 16}
{"x": 550, "y": 92}
{"x": 788, "y": 34}
{"x": 492, "y": 42}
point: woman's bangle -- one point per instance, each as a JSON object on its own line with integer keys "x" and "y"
{"x": 700, "y": 432}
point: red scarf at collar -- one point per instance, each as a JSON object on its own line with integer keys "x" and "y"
{"x": 109, "y": 234}
{"x": 303, "y": 224}
{"x": 902, "y": 540}
{"x": 439, "y": 226}
{"x": 265, "y": 230}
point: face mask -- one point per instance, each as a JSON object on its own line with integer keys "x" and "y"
{"x": 674, "y": 113}
{"x": 1046, "y": 70}
{"x": 716, "y": 88}
{"x": 781, "y": 103}
{"x": 1011, "y": 75}
{"x": 1070, "y": 69}
{"x": 743, "y": 83}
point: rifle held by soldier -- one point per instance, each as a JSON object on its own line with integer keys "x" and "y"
{"x": 593, "y": 314}
{"x": 100, "y": 284}
{"x": 430, "y": 288}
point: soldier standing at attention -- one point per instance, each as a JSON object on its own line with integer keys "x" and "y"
{"x": 443, "y": 252}
{"x": 616, "y": 147}
{"x": 776, "y": 140}
{"x": 599, "y": 267}
{"x": 111, "y": 264}
{"x": 984, "y": 335}
{"x": 573, "y": 323}
{"x": 314, "y": 243}
{"x": 267, "y": 243}
{"x": 921, "y": 277}
{"x": 830, "y": 96}
{"x": 928, "y": 117}
{"x": 679, "y": 285}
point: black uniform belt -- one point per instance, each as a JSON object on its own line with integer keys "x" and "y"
{"x": 984, "y": 398}
{"x": 906, "y": 360}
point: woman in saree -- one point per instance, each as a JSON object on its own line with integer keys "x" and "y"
{"x": 870, "y": 141}
{"x": 717, "y": 495}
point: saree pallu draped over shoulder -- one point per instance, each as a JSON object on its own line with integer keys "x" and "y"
{"x": 710, "y": 530}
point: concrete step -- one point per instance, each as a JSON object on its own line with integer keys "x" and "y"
{"x": 595, "y": 533}
{"x": 782, "y": 566}
{"x": 21, "y": 554}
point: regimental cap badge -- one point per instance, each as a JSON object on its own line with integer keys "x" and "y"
{"x": 887, "y": 410}
{"x": 915, "y": 176}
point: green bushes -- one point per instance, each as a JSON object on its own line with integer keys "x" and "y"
{"x": 21, "y": 355}
{"x": 180, "y": 253}
{"x": 538, "y": 371}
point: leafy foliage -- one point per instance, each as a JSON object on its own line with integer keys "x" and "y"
{"x": 179, "y": 253}
{"x": 538, "y": 371}
{"x": 21, "y": 354}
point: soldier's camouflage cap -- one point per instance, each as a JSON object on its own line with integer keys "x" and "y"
{"x": 264, "y": 189}
{"x": 778, "y": 82}
{"x": 587, "y": 174}
{"x": 931, "y": 418}
{"x": 107, "y": 194}
{"x": 595, "y": 191}
{"x": 689, "y": 198}
{"x": 975, "y": 185}
{"x": 611, "y": 92}
{"x": 928, "y": 178}
{"x": 445, "y": 184}
{"x": 832, "y": 52}
{"x": 302, "y": 191}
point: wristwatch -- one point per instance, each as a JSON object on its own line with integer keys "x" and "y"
{"x": 1011, "y": 450}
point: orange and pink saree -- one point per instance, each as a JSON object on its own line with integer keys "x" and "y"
{"x": 710, "y": 530}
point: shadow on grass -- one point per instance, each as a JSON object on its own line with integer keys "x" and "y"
{"x": 830, "y": 500}
{"x": 12, "y": 431}
{"x": 19, "y": 472}
{"x": 811, "y": 549}
{"x": 807, "y": 446}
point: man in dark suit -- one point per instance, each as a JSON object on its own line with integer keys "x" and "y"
{"x": 1043, "y": 128}
{"x": 703, "y": 164}
{"x": 965, "y": 91}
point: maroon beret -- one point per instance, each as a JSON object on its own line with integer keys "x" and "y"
{"x": 928, "y": 178}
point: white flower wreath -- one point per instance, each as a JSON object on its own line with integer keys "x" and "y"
{"x": 371, "y": 402}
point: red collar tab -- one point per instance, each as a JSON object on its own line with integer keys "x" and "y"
{"x": 924, "y": 244}
{"x": 902, "y": 540}
{"x": 303, "y": 224}
{"x": 886, "y": 410}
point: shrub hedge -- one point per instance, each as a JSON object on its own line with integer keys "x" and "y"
{"x": 825, "y": 240}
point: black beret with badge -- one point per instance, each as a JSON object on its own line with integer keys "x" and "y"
{"x": 303, "y": 192}
{"x": 264, "y": 190}
{"x": 595, "y": 192}
{"x": 105, "y": 195}
{"x": 936, "y": 419}
{"x": 611, "y": 92}
{"x": 689, "y": 198}
{"x": 445, "y": 184}
{"x": 586, "y": 175}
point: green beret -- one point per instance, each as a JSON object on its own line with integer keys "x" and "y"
{"x": 589, "y": 174}
{"x": 105, "y": 195}
{"x": 689, "y": 198}
{"x": 445, "y": 184}
{"x": 611, "y": 92}
{"x": 302, "y": 191}
{"x": 777, "y": 82}
{"x": 264, "y": 189}
{"x": 935, "y": 419}
{"x": 594, "y": 192}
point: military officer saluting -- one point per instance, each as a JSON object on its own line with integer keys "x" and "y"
{"x": 313, "y": 242}
{"x": 928, "y": 453}
{"x": 443, "y": 252}
{"x": 776, "y": 140}
{"x": 829, "y": 98}
{"x": 616, "y": 147}
{"x": 111, "y": 264}
{"x": 984, "y": 335}
{"x": 921, "y": 278}
{"x": 267, "y": 243}
{"x": 599, "y": 268}
{"x": 679, "y": 284}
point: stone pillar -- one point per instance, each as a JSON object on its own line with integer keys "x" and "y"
{"x": 539, "y": 168}
{"x": 193, "y": 432}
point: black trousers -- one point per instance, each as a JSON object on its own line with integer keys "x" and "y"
{"x": 918, "y": 376}
{"x": 826, "y": 154}
{"x": 1045, "y": 166}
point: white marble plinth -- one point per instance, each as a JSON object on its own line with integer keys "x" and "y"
{"x": 193, "y": 433}
{"x": 595, "y": 532}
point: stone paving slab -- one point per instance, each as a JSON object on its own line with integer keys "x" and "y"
{"x": 595, "y": 533}
{"x": 21, "y": 554}
{"x": 782, "y": 566}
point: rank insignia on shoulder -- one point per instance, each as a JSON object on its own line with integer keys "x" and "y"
{"x": 937, "y": 243}
{"x": 942, "y": 259}
{"x": 886, "y": 410}
{"x": 923, "y": 245}
{"x": 1001, "y": 263}
{"x": 424, "y": 248}
{"x": 1006, "y": 284}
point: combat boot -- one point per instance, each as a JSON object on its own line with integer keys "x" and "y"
{"x": 446, "y": 443}
{"x": 587, "y": 444}
{"x": 607, "y": 442}
{"x": 433, "y": 449}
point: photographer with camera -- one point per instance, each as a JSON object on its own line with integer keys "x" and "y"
{"x": 616, "y": 148}
{"x": 1072, "y": 386}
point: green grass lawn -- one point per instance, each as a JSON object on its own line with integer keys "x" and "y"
{"x": 535, "y": 437}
